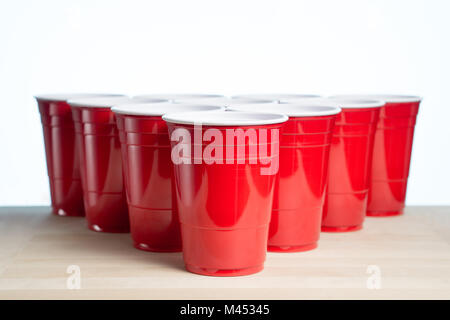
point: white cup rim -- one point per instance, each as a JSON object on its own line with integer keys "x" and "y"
{"x": 222, "y": 102}
{"x": 235, "y": 101}
{"x": 225, "y": 102}
{"x": 178, "y": 97}
{"x": 299, "y": 109}
{"x": 224, "y": 118}
{"x": 346, "y": 103}
{"x": 160, "y": 109}
{"x": 100, "y": 102}
{"x": 64, "y": 97}
{"x": 388, "y": 98}
{"x": 277, "y": 97}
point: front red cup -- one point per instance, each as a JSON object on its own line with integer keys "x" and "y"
{"x": 148, "y": 174}
{"x": 350, "y": 165}
{"x": 392, "y": 154}
{"x": 224, "y": 199}
{"x": 98, "y": 145}
{"x": 61, "y": 154}
{"x": 302, "y": 180}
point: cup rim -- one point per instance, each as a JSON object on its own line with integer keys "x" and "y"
{"x": 388, "y": 98}
{"x": 98, "y": 102}
{"x": 277, "y": 97}
{"x": 203, "y": 101}
{"x": 160, "y": 109}
{"x": 225, "y": 102}
{"x": 224, "y": 118}
{"x": 181, "y": 97}
{"x": 349, "y": 103}
{"x": 64, "y": 97}
{"x": 249, "y": 101}
{"x": 298, "y": 109}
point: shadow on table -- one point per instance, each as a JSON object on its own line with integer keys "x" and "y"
{"x": 73, "y": 233}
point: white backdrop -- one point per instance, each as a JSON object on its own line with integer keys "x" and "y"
{"x": 229, "y": 47}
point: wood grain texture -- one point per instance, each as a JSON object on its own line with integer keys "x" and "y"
{"x": 412, "y": 252}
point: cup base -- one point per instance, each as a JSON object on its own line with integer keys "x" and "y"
{"x": 341, "y": 229}
{"x": 223, "y": 272}
{"x": 146, "y": 247}
{"x": 384, "y": 213}
{"x": 63, "y": 213}
{"x": 97, "y": 228}
{"x": 301, "y": 248}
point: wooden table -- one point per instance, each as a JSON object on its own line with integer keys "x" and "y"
{"x": 411, "y": 255}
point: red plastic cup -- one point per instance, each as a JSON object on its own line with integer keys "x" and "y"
{"x": 224, "y": 207}
{"x": 301, "y": 184}
{"x": 180, "y": 97}
{"x": 278, "y": 98}
{"x": 61, "y": 154}
{"x": 98, "y": 144}
{"x": 350, "y": 164}
{"x": 149, "y": 174}
{"x": 392, "y": 154}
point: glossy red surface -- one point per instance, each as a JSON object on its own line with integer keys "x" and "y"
{"x": 148, "y": 178}
{"x": 62, "y": 158}
{"x": 224, "y": 211}
{"x": 391, "y": 158}
{"x": 300, "y": 187}
{"x": 98, "y": 145}
{"x": 349, "y": 169}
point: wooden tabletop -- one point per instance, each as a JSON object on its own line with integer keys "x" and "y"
{"x": 405, "y": 257}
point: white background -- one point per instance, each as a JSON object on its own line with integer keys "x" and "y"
{"x": 229, "y": 47}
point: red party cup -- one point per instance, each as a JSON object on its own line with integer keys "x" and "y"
{"x": 278, "y": 98}
{"x": 392, "y": 154}
{"x": 61, "y": 154}
{"x": 101, "y": 163}
{"x": 224, "y": 196}
{"x": 179, "y": 97}
{"x": 350, "y": 164}
{"x": 149, "y": 174}
{"x": 300, "y": 187}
